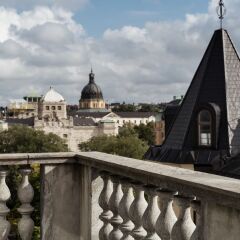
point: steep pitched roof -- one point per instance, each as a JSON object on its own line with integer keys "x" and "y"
{"x": 217, "y": 81}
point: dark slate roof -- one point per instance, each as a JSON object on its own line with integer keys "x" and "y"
{"x": 217, "y": 82}
{"x": 91, "y": 114}
{"x": 135, "y": 114}
{"x": 91, "y": 90}
{"x": 120, "y": 114}
{"x": 24, "y": 121}
{"x": 77, "y": 121}
{"x": 229, "y": 167}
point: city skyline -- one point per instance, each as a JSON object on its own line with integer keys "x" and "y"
{"x": 139, "y": 53}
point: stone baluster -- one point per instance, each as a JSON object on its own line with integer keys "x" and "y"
{"x": 104, "y": 204}
{"x": 114, "y": 201}
{"x": 167, "y": 218}
{"x": 25, "y": 195}
{"x": 137, "y": 210}
{"x": 196, "y": 206}
{"x": 151, "y": 214}
{"x": 4, "y": 196}
{"x": 184, "y": 227}
{"x": 124, "y": 207}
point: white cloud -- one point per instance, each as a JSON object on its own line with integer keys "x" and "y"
{"x": 45, "y": 46}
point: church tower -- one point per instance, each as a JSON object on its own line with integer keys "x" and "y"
{"x": 92, "y": 97}
{"x": 206, "y": 129}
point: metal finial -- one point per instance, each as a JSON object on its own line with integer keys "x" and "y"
{"x": 91, "y": 75}
{"x": 221, "y": 12}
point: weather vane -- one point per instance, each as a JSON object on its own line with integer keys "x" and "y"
{"x": 221, "y": 12}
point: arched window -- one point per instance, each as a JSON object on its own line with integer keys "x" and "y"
{"x": 204, "y": 128}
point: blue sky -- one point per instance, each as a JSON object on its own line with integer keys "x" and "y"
{"x": 98, "y": 15}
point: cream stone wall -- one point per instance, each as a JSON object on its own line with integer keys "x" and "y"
{"x": 119, "y": 121}
{"x": 76, "y": 134}
{"x": 53, "y": 109}
{"x": 92, "y": 104}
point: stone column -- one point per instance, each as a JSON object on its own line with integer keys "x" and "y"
{"x": 151, "y": 214}
{"x": 25, "y": 195}
{"x": 124, "y": 207}
{"x": 137, "y": 210}
{"x": 66, "y": 202}
{"x": 184, "y": 227}
{"x": 4, "y": 197}
{"x": 167, "y": 218}
{"x": 104, "y": 204}
{"x": 114, "y": 201}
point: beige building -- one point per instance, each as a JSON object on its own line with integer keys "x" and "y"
{"x": 52, "y": 106}
{"x": 75, "y": 130}
{"x": 159, "y": 129}
{"x": 119, "y": 118}
{"x": 24, "y": 108}
{"x": 91, "y": 96}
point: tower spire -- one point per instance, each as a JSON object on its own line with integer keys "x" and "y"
{"x": 91, "y": 76}
{"x": 221, "y": 12}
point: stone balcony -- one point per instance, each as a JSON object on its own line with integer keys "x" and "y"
{"x": 94, "y": 196}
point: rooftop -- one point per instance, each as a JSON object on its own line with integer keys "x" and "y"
{"x": 53, "y": 96}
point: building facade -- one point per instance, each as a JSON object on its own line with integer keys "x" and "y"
{"x": 76, "y": 130}
{"x": 91, "y": 96}
{"x": 52, "y": 106}
{"x": 53, "y": 118}
{"x": 119, "y": 118}
{"x": 205, "y": 132}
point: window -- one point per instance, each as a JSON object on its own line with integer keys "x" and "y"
{"x": 59, "y": 108}
{"x": 47, "y": 107}
{"x": 65, "y": 135}
{"x": 53, "y": 108}
{"x": 204, "y": 128}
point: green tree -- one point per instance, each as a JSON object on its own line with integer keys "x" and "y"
{"x": 127, "y": 130}
{"x": 146, "y": 132}
{"x": 125, "y": 108}
{"x": 127, "y": 146}
{"x": 21, "y": 139}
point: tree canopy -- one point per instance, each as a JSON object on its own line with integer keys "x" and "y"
{"x": 127, "y": 143}
{"x": 21, "y": 139}
{"x": 146, "y": 132}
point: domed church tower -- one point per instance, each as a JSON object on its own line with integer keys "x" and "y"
{"x": 92, "y": 97}
{"x": 52, "y": 106}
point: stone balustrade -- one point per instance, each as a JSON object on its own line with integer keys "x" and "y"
{"x": 95, "y": 196}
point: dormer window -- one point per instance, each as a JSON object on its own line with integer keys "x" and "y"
{"x": 205, "y": 128}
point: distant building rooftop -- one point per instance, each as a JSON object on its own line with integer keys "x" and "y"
{"x": 78, "y": 121}
{"x": 17, "y": 121}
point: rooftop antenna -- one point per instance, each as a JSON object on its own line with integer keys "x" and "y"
{"x": 221, "y": 12}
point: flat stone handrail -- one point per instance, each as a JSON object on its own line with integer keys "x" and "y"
{"x": 71, "y": 181}
{"x": 41, "y": 158}
{"x": 222, "y": 190}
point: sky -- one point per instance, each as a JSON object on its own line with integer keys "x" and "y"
{"x": 140, "y": 50}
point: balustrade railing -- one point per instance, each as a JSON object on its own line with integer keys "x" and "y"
{"x": 135, "y": 199}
